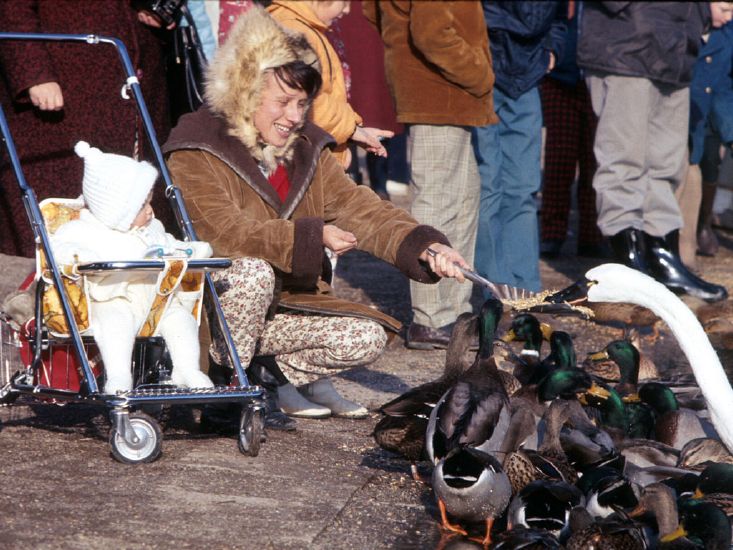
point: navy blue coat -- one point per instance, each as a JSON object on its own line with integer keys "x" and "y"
{"x": 711, "y": 91}
{"x": 521, "y": 36}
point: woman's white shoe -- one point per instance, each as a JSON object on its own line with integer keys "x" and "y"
{"x": 322, "y": 392}
{"x": 292, "y": 403}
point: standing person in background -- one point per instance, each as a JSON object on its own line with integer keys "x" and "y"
{"x": 369, "y": 93}
{"x": 526, "y": 40}
{"x": 639, "y": 57}
{"x": 439, "y": 70}
{"x": 570, "y": 128}
{"x": 711, "y": 125}
{"x": 331, "y": 109}
{"x": 55, "y": 93}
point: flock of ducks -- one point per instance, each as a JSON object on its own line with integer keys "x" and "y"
{"x": 541, "y": 452}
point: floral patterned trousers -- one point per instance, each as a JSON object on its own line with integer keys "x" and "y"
{"x": 307, "y": 345}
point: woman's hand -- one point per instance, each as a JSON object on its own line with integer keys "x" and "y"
{"x": 338, "y": 240}
{"x": 446, "y": 262}
{"x": 368, "y": 139}
{"x": 47, "y": 96}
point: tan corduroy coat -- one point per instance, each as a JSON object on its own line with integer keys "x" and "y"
{"x": 212, "y": 158}
{"x": 437, "y": 59}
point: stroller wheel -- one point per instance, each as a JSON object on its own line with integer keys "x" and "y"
{"x": 251, "y": 427}
{"x": 147, "y": 442}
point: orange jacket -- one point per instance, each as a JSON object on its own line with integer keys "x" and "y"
{"x": 331, "y": 110}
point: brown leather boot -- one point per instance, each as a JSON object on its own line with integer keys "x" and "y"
{"x": 707, "y": 240}
{"x": 689, "y": 196}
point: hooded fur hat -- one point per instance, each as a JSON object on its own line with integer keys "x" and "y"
{"x": 236, "y": 76}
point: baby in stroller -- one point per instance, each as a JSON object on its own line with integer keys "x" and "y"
{"x": 117, "y": 223}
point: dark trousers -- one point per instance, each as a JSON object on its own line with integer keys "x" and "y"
{"x": 571, "y": 126}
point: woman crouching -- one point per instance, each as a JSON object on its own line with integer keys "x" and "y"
{"x": 262, "y": 187}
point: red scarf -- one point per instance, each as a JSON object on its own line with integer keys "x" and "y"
{"x": 280, "y": 182}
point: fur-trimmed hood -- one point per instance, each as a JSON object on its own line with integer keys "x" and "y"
{"x": 236, "y": 77}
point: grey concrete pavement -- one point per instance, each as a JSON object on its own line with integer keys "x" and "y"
{"x": 325, "y": 486}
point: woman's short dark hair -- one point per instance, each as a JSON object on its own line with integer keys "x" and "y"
{"x": 300, "y": 76}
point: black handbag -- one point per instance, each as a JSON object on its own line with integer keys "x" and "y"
{"x": 186, "y": 69}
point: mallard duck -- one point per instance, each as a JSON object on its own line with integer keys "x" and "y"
{"x": 674, "y": 425}
{"x": 605, "y": 405}
{"x": 562, "y": 383}
{"x": 609, "y": 533}
{"x": 474, "y": 412}
{"x": 607, "y": 490}
{"x": 561, "y": 356}
{"x": 470, "y": 486}
{"x": 548, "y": 462}
{"x": 715, "y": 485}
{"x": 617, "y": 362}
{"x": 618, "y": 283}
{"x": 658, "y": 508}
{"x": 626, "y": 316}
{"x": 544, "y": 504}
{"x": 521, "y": 538}
{"x": 647, "y": 368}
{"x": 645, "y": 453}
{"x": 701, "y": 522}
{"x": 402, "y": 428}
{"x": 696, "y": 454}
{"x": 525, "y": 328}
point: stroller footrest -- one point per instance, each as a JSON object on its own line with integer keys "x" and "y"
{"x": 168, "y": 394}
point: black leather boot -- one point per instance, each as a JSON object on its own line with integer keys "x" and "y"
{"x": 264, "y": 371}
{"x": 629, "y": 248}
{"x": 666, "y": 267}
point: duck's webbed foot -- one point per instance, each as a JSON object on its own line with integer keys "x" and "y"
{"x": 447, "y": 525}
{"x": 486, "y": 541}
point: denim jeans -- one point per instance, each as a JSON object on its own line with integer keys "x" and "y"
{"x": 508, "y": 156}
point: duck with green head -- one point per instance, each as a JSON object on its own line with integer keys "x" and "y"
{"x": 715, "y": 485}
{"x": 617, "y": 362}
{"x": 474, "y": 412}
{"x": 562, "y": 356}
{"x": 701, "y": 523}
{"x": 526, "y": 328}
{"x": 674, "y": 425}
{"x": 605, "y": 404}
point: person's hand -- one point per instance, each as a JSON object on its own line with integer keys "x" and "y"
{"x": 47, "y": 96}
{"x": 338, "y": 240}
{"x": 151, "y": 20}
{"x": 368, "y": 139}
{"x": 721, "y": 13}
{"x": 446, "y": 262}
{"x": 553, "y": 61}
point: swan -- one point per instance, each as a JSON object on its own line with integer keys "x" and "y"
{"x": 618, "y": 283}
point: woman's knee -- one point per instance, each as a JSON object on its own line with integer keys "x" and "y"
{"x": 368, "y": 341}
{"x": 251, "y": 278}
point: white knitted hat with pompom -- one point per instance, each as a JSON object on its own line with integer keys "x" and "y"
{"x": 114, "y": 186}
